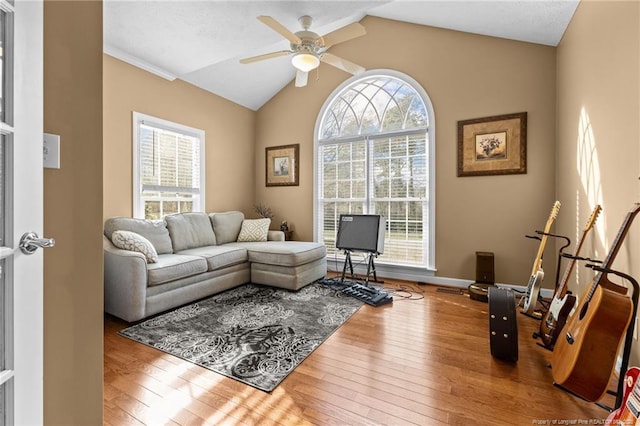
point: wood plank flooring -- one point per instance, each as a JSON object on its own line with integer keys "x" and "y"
{"x": 424, "y": 360}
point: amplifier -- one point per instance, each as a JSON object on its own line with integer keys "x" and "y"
{"x": 361, "y": 232}
{"x": 484, "y": 268}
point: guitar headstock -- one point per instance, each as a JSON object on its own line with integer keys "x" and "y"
{"x": 552, "y": 216}
{"x": 555, "y": 210}
{"x": 594, "y": 216}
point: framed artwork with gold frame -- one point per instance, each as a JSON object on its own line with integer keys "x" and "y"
{"x": 282, "y": 168}
{"x": 493, "y": 145}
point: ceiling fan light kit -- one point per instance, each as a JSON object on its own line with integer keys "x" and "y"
{"x": 305, "y": 61}
{"x": 309, "y": 49}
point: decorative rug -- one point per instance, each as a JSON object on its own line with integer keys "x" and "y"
{"x": 254, "y": 334}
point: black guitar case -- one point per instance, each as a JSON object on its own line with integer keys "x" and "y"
{"x": 503, "y": 324}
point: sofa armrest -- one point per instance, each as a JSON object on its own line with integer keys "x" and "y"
{"x": 275, "y": 235}
{"x": 125, "y": 282}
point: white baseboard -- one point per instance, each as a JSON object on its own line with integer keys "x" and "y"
{"x": 423, "y": 276}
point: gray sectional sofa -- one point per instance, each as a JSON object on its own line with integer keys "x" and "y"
{"x": 153, "y": 266}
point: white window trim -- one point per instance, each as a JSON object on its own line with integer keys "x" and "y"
{"x": 392, "y": 271}
{"x": 138, "y": 119}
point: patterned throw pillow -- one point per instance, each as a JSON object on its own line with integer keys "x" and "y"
{"x": 128, "y": 240}
{"x": 254, "y": 230}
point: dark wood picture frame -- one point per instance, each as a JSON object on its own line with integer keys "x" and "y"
{"x": 282, "y": 165}
{"x": 493, "y": 145}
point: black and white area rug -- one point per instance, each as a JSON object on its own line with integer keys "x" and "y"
{"x": 254, "y": 334}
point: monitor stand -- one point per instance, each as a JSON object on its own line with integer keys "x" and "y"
{"x": 371, "y": 268}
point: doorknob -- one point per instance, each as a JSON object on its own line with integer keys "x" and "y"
{"x": 30, "y": 242}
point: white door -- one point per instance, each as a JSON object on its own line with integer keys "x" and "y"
{"x": 21, "y": 275}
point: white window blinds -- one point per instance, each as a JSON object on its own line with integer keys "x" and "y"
{"x": 170, "y": 168}
{"x": 373, "y": 158}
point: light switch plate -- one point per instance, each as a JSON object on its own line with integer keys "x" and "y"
{"x": 51, "y": 151}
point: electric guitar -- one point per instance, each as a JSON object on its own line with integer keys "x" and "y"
{"x": 585, "y": 352}
{"x": 537, "y": 274}
{"x": 562, "y": 303}
{"x": 629, "y": 411}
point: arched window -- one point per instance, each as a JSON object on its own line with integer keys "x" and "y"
{"x": 374, "y": 145}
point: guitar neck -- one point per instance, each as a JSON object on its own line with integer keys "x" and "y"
{"x": 570, "y": 266}
{"x": 615, "y": 247}
{"x": 567, "y": 273}
{"x": 537, "y": 263}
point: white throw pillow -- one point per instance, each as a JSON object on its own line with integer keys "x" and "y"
{"x": 128, "y": 240}
{"x": 254, "y": 230}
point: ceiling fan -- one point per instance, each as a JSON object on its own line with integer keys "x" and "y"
{"x": 309, "y": 48}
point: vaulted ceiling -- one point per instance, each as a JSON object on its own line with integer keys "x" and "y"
{"x": 201, "y": 42}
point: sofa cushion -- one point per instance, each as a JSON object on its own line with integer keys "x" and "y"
{"x": 254, "y": 230}
{"x": 227, "y": 226}
{"x": 190, "y": 230}
{"x": 289, "y": 277}
{"x": 171, "y": 267}
{"x": 153, "y": 230}
{"x": 284, "y": 253}
{"x": 131, "y": 241}
{"x": 219, "y": 256}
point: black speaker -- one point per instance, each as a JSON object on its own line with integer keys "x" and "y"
{"x": 484, "y": 268}
{"x": 361, "y": 232}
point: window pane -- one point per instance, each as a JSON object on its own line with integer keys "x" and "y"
{"x": 377, "y": 104}
{"x": 152, "y": 210}
{"x": 4, "y": 317}
{"x": 170, "y": 207}
{"x": 186, "y": 206}
{"x": 3, "y": 180}
{"x": 3, "y": 63}
{"x": 376, "y": 175}
{"x": 6, "y": 390}
{"x": 160, "y": 204}
{"x": 170, "y": 161}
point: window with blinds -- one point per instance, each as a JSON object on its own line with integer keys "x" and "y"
{"x": 372, "y": 158}
{"x": 168, "y": 168}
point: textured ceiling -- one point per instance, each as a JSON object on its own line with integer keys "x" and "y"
{"x": 201, "y": 42}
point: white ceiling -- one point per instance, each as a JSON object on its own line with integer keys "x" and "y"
{"x": 201, "y": 42}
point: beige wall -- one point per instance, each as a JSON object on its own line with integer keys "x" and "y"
{"x": 466, "y": 76}
{"x": 598, "y": 146}
{"x": 73, "y": 301}
{"x": 229, "y": 133}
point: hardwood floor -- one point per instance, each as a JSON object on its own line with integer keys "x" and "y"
{"x": 422, "y": 360}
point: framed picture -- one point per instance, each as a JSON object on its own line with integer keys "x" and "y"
{"x": 282, "y": 165}
{"x": 493, "y": 145}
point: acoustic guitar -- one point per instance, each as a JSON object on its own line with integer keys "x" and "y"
{"x": 562, "y": 303}
{"x": 585, "y": 352}
{"x": 537, "y": 274}
{"x": 629, "y": 411}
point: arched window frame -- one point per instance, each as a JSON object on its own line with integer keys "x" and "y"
{"x": 409, "y": 272}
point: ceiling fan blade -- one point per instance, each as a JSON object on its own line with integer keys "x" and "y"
{"x": 343, "y": 64}
{"x": 265, "y": 56}
{"x": 301, "y": 78}
{"x": 343, "y": 34}
{"x": 279, "y": 28}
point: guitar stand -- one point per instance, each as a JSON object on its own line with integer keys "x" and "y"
{"x": 539, "y": 314}
{"x": 628, "y": 341}
{"x": 560, "y": 253}
{"x": 558, "y": 265}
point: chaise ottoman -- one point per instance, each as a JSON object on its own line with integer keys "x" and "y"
{"x": 285, "y": 264}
